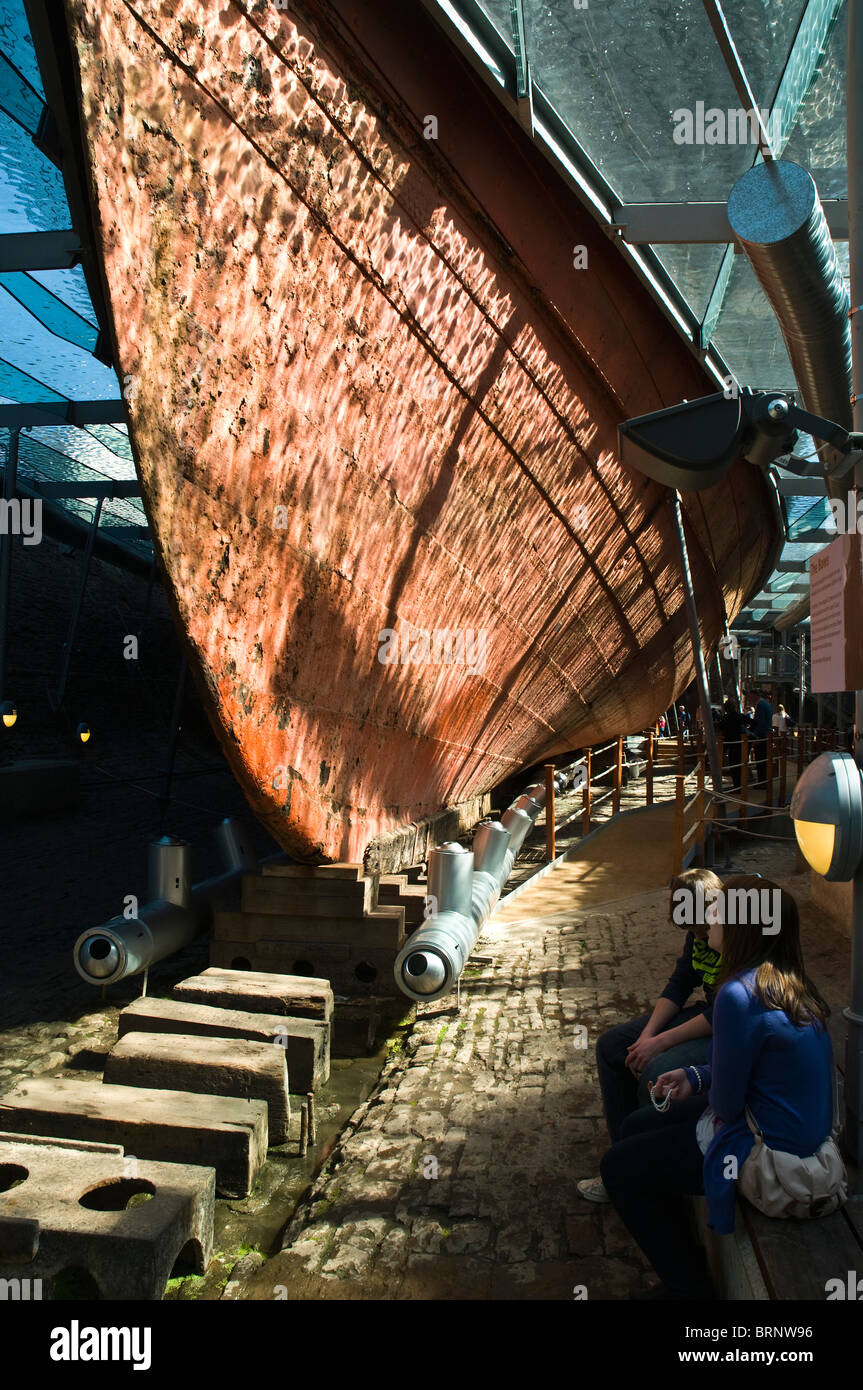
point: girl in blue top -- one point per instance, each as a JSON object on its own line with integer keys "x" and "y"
{"x": 771, "y": 1052}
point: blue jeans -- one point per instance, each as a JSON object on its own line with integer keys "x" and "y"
{"x": 621, "y": 1092}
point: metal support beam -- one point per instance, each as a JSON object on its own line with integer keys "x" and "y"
{"x": 807, "y": 50}
{"x": 107, "y": 489}
{"x": 737, "y": 71}
{"x": 811, "y": 536}
{"x": 73, "y": 627}
{"x": 801, "y": 487}
{"x": 698, "y": 654}
{"x": 854, "y": 107}
{"x": 523, "y": 79}
{"x": 689, "y": 224}
{"x": 31, "y": 413}
{"x": 39, "y": 250}
{"x": 10, "y": 477}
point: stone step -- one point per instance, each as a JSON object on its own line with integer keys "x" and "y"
{"x": 259, "y": 992}
{"x": 74, "y": 1203}
{"x": 307, "y": 1040}
{"x": 219, "y": 1132}
{"x": 211, "y": 1066}
{"x": 410, "y": 896}
{"x": 335, "y": 872}
{"x": 305, "y": 897}
{"x": 383, "y": 926}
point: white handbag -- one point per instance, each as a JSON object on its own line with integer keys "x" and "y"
{"x": 784, "y": 1185}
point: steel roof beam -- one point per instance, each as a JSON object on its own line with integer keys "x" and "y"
{"x": 62, "y": 413}
{"x": 801, "y": 487}
{"x": 801, "y": 67}
{"x": 105, "y": 489}
{"x": 668, "y": 224}
{"x": 737, "y": 71}
{"x": 39, "y": 250}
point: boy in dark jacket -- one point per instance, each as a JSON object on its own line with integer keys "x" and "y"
{"x": 675, "y": 1033}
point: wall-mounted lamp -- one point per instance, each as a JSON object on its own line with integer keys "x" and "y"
{"x": 83, "y": 732}
{"x": 8, "y": 713}
{"x": 827, "y": 810}
{"x": 691, "y": 446}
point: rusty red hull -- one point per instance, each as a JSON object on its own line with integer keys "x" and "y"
{"x": 369, "y": 393}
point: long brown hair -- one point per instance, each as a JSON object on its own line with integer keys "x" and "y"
{"x": 781, "y": 981}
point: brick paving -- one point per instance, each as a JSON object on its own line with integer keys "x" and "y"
{"x": 457, "y": 1178}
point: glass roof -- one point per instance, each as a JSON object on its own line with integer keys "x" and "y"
{"x": 611, "y": 74}
{"x": 49, "y": 326}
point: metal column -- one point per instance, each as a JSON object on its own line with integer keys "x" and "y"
{"x": 10, "y": 485}
{"x": 700, "y": 669}
{"x": 854, "y": 97}
{"x": 60, "y": 696}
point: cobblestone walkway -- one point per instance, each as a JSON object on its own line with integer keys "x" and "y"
{"x": 457, "y": 1178}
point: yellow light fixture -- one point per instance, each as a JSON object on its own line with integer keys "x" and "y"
{"x": 818, "y": 843}
{"x": 83, "y": 732}
{"x": 827, "y": 811}
{"x": 8, "y": 713}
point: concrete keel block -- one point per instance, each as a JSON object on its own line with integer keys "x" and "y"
{"x": 210, "y": 1066}
{"x": 306, "y": 1040}
{"x": 80, "y": 1201}
{"x": 259, "y": 992}
{"x": 221, "y": 1132}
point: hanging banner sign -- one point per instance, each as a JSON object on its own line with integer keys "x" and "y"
{"x": 836, "y": 608}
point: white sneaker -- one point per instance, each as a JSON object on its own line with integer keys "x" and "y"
{"x": 593, "y": 1190}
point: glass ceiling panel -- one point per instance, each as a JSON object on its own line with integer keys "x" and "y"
{"x": 32, "y": 196}
{"x": 818, "y": 138}
{"x": 498, "y": 12}
{"x": 31, "y": 348}
{"x": 71, "y": 287}
{"x": 50, "y": 311}
{"x": 617, "y": 73}
{"x": 763, "y": 31}
{"x": 694, "y": 269}
{"x": 748, "y": 337}
{"x": 16, "y": 43}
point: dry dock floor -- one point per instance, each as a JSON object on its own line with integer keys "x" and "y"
{"x": 457, "y": 1178}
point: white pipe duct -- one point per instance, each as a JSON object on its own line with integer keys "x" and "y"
{"x": 463, "y": 888}
{"x": 175, "y": 914}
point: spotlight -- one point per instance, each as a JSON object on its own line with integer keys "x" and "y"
{"x": 691, "y": 446}
{"x": 827, "y": 810}
{"x": 8, "y": 713}
{"x": 83, "y": 732}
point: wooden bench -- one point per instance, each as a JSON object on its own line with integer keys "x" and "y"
{"x": 797, "y": 1258}
{"x": 770, "y": 1258}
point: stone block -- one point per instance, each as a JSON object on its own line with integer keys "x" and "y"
{"x": 307, "y": 1041}
{"x": 220, "y": 1132}
{"x": 382, "y": 926}
{"x": 306, "y": 897}
{"x": 125, "y": 1231}
{"x": 277, "y": 868}
{"x": 210, "y": 1066}
{"x": 259, "y": 992}
{"x": 354, "y": 970}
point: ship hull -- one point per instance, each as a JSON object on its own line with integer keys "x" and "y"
{"x": 374, "y": 409}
